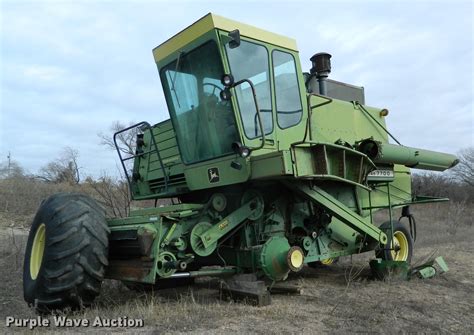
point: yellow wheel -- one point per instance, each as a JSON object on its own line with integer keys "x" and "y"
{"x": 328, "y": 261}
{"x": 295, "y": 259}
{"x": 399, "y": 247}
{"x": 324, "y": 262}
{"x": 37, "y": 251}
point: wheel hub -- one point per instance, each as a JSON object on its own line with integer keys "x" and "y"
{"x": 400, "y": 246}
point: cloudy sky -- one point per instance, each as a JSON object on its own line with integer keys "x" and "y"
{"x": 70, "y": 68}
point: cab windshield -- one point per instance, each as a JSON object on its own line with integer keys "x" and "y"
{"x": 204, "y": 124}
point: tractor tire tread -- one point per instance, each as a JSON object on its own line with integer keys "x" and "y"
{"x": 75, "y": 256}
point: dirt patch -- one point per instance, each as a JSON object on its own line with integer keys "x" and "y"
{"x": 335, "y": 299}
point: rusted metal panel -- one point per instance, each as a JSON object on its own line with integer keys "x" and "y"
{"x": 134, "y": 269}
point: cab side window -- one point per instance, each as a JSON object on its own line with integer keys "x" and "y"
{"x": 288, "y": 98}
{"x": 250, "y": 61}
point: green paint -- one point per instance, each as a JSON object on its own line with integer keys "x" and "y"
{"x": 230, "y": 222}
{"x": 383, "y": 269}
{"x": 339, "y": 210}
{"x": 272, "y": 258}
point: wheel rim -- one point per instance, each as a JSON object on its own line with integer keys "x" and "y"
{"x": 295, "y": 259}
{"x": 400, "y": 247}
{"x": 37, "y": 251}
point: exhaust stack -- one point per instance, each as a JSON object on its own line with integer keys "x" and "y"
{"x": 321, "y": 68}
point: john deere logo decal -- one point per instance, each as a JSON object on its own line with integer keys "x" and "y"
{"x": 213, "y": 175}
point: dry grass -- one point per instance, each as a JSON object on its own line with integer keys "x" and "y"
{"x": 328, "y": 304}
{"x": 23, "y": 195}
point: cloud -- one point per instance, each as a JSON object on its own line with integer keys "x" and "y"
{"x": 43, "y": 73}
{"x": 71, "y": 68}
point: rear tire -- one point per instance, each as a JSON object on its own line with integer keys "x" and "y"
{"x": 404, "y": 244}
{"x": 66, "y": 253}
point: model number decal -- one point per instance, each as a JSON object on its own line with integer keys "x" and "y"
{"x": 381, "y": 174}
{"x": 223, "y": 225}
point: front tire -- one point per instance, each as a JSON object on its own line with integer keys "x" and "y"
{"x": 402, "y": 247}
{"x": 66, "y": 253}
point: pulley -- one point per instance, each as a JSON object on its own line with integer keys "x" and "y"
{"x": 258, "y": 203}
{"x": 164, "y": 267}
{"x": 219, "y": 202}
{"x": 196, "y": 241}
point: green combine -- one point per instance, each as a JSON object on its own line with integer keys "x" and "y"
{"x": 267, "y": 168}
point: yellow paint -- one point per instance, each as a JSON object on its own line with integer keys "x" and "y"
{"x": 212, "y": 21}
{"x": 296, "y": 258}
{"x": 37, "y": 251}
{"x": 327, "y": 261}
{"x": 223, "y": 224}
{"x": 384, "y": 112}
{"x": 400, "y": 242}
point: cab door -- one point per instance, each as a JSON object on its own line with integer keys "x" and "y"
{"x": 290, "y": 97}
{"x": 251, "y": 60}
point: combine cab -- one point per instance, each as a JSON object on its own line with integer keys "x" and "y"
{"x": 269, "y": 169}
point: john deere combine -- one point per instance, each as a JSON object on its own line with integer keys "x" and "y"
{"x": 269, "y": 168}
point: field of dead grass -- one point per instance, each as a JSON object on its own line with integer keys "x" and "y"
{"x": 335, "y": 299}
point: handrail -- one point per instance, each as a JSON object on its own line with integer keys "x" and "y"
{"x": 254, "y": 93}
{"x": 122, "y": 160}
{"x": 271, "y": 111}
{"x": 308, "y": 122}
{"x": 255, "y": 120}
{"x": 358, "y": 104}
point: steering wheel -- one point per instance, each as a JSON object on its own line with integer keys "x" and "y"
{"x": 214, "y": 86}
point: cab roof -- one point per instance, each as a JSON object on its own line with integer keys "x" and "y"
{"x": 213, "y": 21}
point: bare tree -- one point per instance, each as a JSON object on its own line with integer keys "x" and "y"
{"x": 457, "y": 184}
{"x": 11, "y": 169}
{"x": 65, "y": 169}
{"x": 464, "y": 171}
{"x": 113, "y": 193}
{"x": 125, "y": 140}
{"x": 432, "y": 184}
